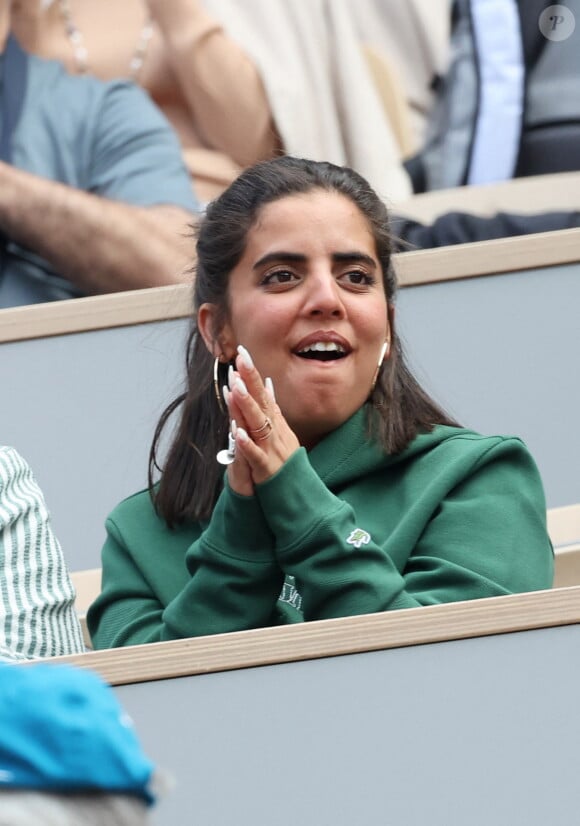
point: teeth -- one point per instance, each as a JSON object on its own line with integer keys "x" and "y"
{"x": 322, "y": 346}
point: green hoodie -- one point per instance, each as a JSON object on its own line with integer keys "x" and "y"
{"x": 342, "y": 530}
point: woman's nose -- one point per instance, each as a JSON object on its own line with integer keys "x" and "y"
{"x": 324, "y": 297}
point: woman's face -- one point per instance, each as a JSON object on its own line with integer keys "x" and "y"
{"x": 307, "y": 300}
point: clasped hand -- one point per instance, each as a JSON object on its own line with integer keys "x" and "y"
{"x": 264, "y": 440}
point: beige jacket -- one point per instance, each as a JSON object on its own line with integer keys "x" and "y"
{"x": 321, "y": 92}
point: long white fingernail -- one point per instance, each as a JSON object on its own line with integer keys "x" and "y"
{"x": 234, "y": 428}
{"x": 246, "y": 357}
{"x": 241, "y": 385}
{"x": 231, "y": 377}
{"x": 226, "y": 393}
{"x": 269, "y": 385}
{"x": 242, "y": 435}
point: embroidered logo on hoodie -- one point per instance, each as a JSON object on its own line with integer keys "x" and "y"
{"x": 359, "y": 537}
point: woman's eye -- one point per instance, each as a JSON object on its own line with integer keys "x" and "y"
{"x": 278, "y": 277}
{"x": 359, "y": 278}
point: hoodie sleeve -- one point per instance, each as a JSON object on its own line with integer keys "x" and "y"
{"x": 232, "y": 581}
{"x": 482, "y": 536}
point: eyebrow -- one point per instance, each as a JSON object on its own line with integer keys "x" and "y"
{"x": 280, "y": 255}
{"x": 297, "y": 258}
{"x": 355, "y": 258}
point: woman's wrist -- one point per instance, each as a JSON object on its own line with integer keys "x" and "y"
{"x": 237, "y": 527}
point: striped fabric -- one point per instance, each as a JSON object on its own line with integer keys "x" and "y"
{"x": 37, "y": 614}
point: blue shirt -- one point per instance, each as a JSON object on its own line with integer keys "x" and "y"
{"x": 108, "y": 139}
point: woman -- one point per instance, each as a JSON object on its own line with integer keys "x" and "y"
{"x": 37, "y": 612}
{"x": 206, "y": 85}
{"x": 350, "y": 491}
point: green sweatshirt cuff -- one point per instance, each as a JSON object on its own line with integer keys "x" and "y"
{"x": 294, "y": 500}
{"x": 238, "y": 529}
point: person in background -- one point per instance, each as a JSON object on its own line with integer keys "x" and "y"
{"x": 348, "y": 490}
{"x": 503, "y": 112}
{"x": 69, "y": 754}
{"x": 203, "y": 81}
{"x": 413, "y": 39}
{"x": 94, "y": 195}
{"x": 37, "y": 612}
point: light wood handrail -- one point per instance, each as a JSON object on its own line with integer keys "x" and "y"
{"x": 87, "y": 585}
{"x": 564, "y": 530}
{"x": 524, "y": 196}
{"x": 567, "y": 566}
{"x": 564, "y": 525}
{"x": 329, "y": 638}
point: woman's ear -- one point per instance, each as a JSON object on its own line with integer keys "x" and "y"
{"x": 206, "y": 317}
{"x": 219, "y": 342}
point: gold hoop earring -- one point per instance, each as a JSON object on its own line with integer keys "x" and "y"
{"x": 216, "y": 385}
{"x": 384, "y": 353}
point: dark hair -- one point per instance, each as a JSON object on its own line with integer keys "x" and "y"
{"x": 399, "y": 408}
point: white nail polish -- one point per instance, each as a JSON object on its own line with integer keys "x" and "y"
{"x": 242, "y": 435}
{"x": 246, "y": 357}
{"x": 226, "y": 393}
{"x": 269, "y": 385}
{"x": 241, "y": 385}
{"x": 231, "y": 377}
{"x": 234, "y": 428}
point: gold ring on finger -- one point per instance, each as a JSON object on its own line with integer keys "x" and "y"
{"x": 264, "y": 430}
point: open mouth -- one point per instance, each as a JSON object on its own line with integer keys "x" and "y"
{"x": 323, "y": 351}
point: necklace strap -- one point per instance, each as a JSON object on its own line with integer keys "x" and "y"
{"x": 79, "y": 49}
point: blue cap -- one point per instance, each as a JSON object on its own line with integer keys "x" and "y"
{"x": 62, "y": 730}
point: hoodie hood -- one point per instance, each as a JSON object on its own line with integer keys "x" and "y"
{"x": 349, "y": 452}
